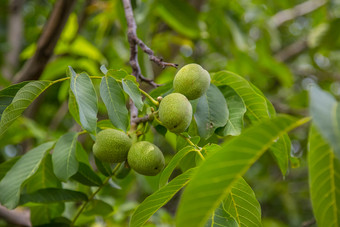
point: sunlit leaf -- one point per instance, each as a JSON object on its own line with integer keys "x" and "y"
{"x": 155, "y": 201}
{"x": 219, "y": 172}
{"x": 324, "y": 180}
{"x": 241, "y": 203}
{"x": 21, "y": 171}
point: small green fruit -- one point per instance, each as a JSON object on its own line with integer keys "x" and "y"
{"x": 146, "y": 158}
{"x": 111, "y": 146}
{"x": 192, "y": 81}
{"x": 175, "y": 112}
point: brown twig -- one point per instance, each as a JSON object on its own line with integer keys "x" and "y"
{"x": 297, "y": 11}
{"x": 134, "y": 42}
{"x": 47, "y": 41}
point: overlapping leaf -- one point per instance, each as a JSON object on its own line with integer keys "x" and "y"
{"x": 114, "y": 100}
{"x": 325, "y": 111}
{"x": 132, "y": 90}
{"x": 21, "y": 171}
{"x": 155, "y": 201}
{"x": 216, "y": 176}
{"x": 7, "y": 94}
{"x": 241, "y": 203}
{"x": 221, "y": 217}
{"x": 324, "y": 180}
{"x": 211, "y": 112}
{"x": 166, "y": 173}
{"x": 23, "y": 98}
{"x": 87, "y": 176}
{"x": 65, "y": 163}
{"x": 52, "y": 195}
{"x": 236, "y": 109}
{"x": 86, "y": 97}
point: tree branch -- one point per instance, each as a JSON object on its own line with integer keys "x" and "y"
{"x": 299, "y": 10}
{"x": 15, "y": 217}
{"x": 14, "y": 37}
{"x": 292, "y": 50}
{"x": 134, "y": 41}
{"x": 47, "y": 41}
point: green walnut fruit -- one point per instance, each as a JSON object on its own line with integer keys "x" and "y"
{"x": 192, "y": 81}
{"x": 111, "y": 146}
{"x": 146, "y": 158}
{"x": 175, "y": 112}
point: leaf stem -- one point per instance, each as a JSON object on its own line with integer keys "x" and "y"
{"x": 156, "y": 103}
{"x": 200, "y": 154}
{"x": 93, "y": 194}
{"x": 189, "y": 141}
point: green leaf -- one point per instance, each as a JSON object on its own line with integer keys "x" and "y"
{"x": 325, "y": 112}
{"x": 256, "y": 104}
{"x": 324, "y": 180}
{"x": 221, "y": 217}
{"x": 7, "y": 94}
{"x": 236, "y": 109}
{"x": 155, "y": 201}
{"x": 98, "y": 207}
{"x": 281, "y": 152}
{"x": 21, "y": 171}
{"x": 85, "y": 95}
{"x": 241, "y": 203}
{"x": 23, "y": 98}
{"x": 179, "y": 15}
{"x": 6, "y": 166}
{"x": 218, "y": 173}
{"x": 103, "y": 167}
{"x": 65, "y": 163}
{"x": 258, "y": 108}
{"x": 87, "y": 176}
{"x": 44, "y": 177}
{"x": 44, "y": 214}
{"x": 211, "y": 112}
{"x": 73, "y": 107}
{"x": 132, "y": 90}
{"x": 52, "y": 195}
{"x": 117, "y": 74}
{"x": 166, "y": 173}
{"x": 114, "y": 100}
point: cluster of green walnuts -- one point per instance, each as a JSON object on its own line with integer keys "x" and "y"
{"x": 175, "y": 113}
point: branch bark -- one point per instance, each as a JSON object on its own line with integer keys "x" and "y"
{"x": 134, "y": 42}
{"x": 299, "y": 10}
{"x": 14, "y": 37}
{"x": 15, "y": 217}
{"x": 47, "y": 41}
{"x": 292, "y": 50}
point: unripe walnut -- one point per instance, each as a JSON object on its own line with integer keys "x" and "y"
{"x": 146, "y": 158}
{"x": 111, "y": 146}
{"x": 192, "y": 81}
{"x": 175, "y": 112}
